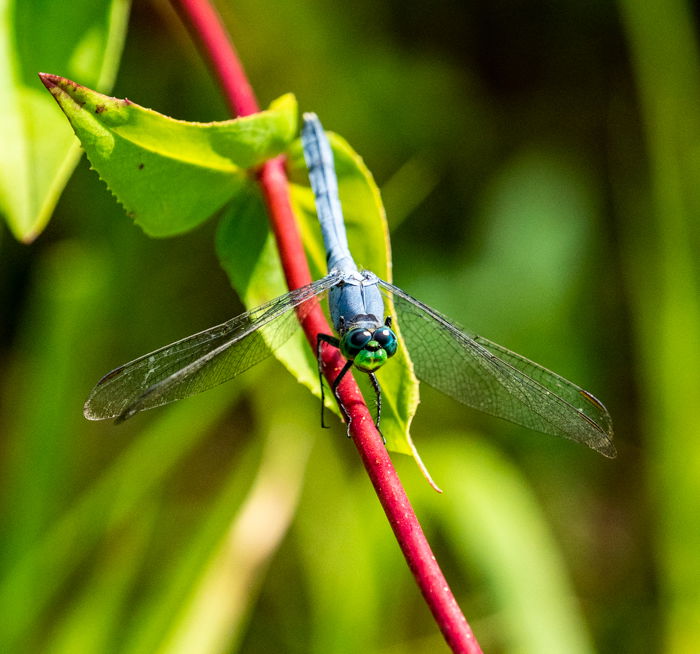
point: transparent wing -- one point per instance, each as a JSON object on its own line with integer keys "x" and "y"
{"x": 492, "y": 379}
{"x": 203, "y": 360}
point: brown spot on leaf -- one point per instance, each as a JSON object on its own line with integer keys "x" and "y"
{"x": 48, "y": 80}
{"x": 140, "y": 166}
{"x": 100, "y": 108}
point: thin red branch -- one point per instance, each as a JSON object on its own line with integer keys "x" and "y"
{"x": 207, "y": 29}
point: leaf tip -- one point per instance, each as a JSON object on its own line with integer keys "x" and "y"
{"x": 56, "y": 82}
{"x": 48, "y": 80}
{"x": 424, "y": 469}
{"x": 29, "y": 237}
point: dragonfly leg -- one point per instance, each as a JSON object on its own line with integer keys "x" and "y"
{"x": 378, "y": 394}
{"x": 331, "y": 340}
{"x": 334, "y": 387}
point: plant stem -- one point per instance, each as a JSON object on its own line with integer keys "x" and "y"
{"x": 204, "y": 23}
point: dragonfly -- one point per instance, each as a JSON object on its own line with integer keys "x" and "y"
{"x": 464, "y": 366}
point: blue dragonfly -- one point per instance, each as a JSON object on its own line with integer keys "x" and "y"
{"x": 467, "y": 367}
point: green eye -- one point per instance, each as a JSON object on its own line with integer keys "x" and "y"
{"x": 353, "y": 342}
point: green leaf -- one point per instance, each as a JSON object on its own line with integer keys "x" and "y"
{"x": 248, "y": 255}
{"x": 169, "y": 174}
{"x": 83, "y": 38}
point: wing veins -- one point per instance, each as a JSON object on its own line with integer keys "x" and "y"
{"x": 498, "y": 375}
{"x": 101, "y": 403}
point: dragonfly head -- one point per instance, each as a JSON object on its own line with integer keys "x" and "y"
{"x": 369, "y": 349}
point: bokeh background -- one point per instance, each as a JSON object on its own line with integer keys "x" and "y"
{"x": 539, "y": 163}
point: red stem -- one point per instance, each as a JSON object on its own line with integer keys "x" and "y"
{"x": 207, "y": 29}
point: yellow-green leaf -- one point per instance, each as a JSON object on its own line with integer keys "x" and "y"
{"x": 170, "y": 175}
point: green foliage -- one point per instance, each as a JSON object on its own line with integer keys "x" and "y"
{"x": 82, "y": 39}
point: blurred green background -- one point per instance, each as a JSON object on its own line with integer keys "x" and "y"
{"x": 539, "y": 163}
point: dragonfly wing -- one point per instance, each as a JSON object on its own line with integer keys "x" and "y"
{"x": 203, "y": 360}
{"x": 492, "y": 379}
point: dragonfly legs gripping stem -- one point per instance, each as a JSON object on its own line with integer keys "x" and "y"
{"x": 331, "y": 340}
{"x": 334, "y": 388}
{"x": 378, "y": 394}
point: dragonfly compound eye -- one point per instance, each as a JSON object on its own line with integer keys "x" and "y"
{"x": 387, "y": 339}
{"x": 353, "y": 342}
